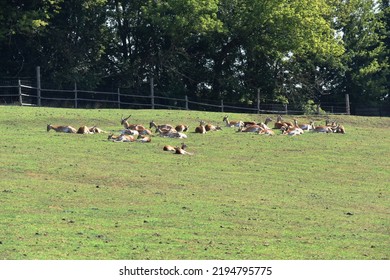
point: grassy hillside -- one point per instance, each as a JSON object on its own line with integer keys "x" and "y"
{"x": 240, "y": 196}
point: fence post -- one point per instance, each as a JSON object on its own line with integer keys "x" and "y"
{"x": 152, "y": 91}
{"x": 222, "y": 105}
{"x": 39, "y": 86}
{"x": 286, "y": 109}
{"x": 347, "y": 106}
{"x": 75, "y": 94}
{"x": 119, "y": 99}
{"x": 186, "y": 99}
{"x": 258, "y": 101}
{"x": 20, "y": 92}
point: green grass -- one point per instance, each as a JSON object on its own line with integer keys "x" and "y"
{"x": 240, "y": 196}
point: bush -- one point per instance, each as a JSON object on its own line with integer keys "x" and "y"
{"x": 311, "y": 108}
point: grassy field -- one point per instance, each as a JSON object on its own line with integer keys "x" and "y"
{"x": 240, "y": 196}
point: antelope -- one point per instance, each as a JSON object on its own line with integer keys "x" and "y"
{"x": 266, "y": 131}
{"x": 291, "y": 130}
{"x": 340, "y": 129}
{"x": 130, "y": 132}
{"x": 265, "y": 123}
{"x": 172, "y": 134}
{"x": 162, "y": 127}
{"x": 201, "y": 128}
{"x": 306, "y": 126}
{"x": 296, "y": 126}
{"x": 280, "y": 123}
{"x": 84, "y": 130}
{"x": 126, "y": 125}
{"x": 168, "y": 148}
{"x": 210, "y": 127}
{"x": 144, "y": 139}
{"x": 181, "y": 150}
{"x": 232, "y": 123}
{"x": 324, "y": 129}
{"x": 61, "y": 128}
{"x": 95, "y": 129}
{"x": 121, "y": 138}
{"x": 252, "y": 128}
{"x": 181, "y": 128}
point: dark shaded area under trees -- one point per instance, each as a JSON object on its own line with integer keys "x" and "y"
{"x": 291, "y": 51}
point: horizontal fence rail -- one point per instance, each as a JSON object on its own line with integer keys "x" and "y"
{"x": 27, "y": 95}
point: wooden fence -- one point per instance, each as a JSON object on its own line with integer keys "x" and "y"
{"x": 27, "y": 95}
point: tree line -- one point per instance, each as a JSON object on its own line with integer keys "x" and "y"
{"x": 291, "y": 51}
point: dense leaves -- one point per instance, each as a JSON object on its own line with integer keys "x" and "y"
{"x": 289, "y": 50}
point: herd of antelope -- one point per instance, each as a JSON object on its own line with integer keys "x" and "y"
{"x": 139, "y": 133}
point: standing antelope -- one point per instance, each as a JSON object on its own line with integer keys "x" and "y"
{"x": 232, "y": 123}
{"x": 61, "y": 128}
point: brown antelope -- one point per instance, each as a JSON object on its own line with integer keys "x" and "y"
{"x": 291, "y": 130}
{"x": 161, "y": 127}
{"x": 181, "y": 128}
{"x": 322, "y": 128}
{"x": 266, "y": 131}
{"x": 211, "y": 127}
{"x": 61, "y": 128}
{"x": 95, "y": 129}
{"x": 144, "y": 139}
{"x": 181, "y": 150}
{"x": 84, "y": 130}
{"x": 171, "y": 134}
{"x": 232, "y": 123}
{"x": 251, "y": 128}
{"x": 130, "y": 132}
{"x": 201, "y": 128}
{"x": 340, "y": 129}
{"x": 121, "y": 138}
{"x": 126, "y": 125}
{"x": 168, "y": 148}
{"x": 265, "y": 123}
{"x": 306, "y": 126}
{"x": 280, "y": 123}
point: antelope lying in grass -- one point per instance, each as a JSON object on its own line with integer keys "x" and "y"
{"x": 144, "y": 139}
{"x": 84, "y": 130}
{"x": 163, "y": 127}
{"x": 291, "y": 130}
{"x": 280, "y": 123}
{"x": 211, "y": 127}
{"x": 61, "y": 128}
{"x": 201, "y": 128}
{"x": 181, "y": 128}
{"x": 121, "y": 138}
{"x": 171, "y": 134}
{"x": 126, "y": 125}
{"x": 322, "y": 129}
{"x": 177, "y": 150}
{"x": 266, "y": 132}
{"x": 306, "y": 126}
{"x": 232, "y": 123}
{"x": 340, "y": 129}
{"x": 251, "y": 128}
{"x": 95, "y": 129}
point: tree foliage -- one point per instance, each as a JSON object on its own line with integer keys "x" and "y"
{"x": 293, "y": 50}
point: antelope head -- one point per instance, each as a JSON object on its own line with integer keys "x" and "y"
{"x": 124, "y": 119}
